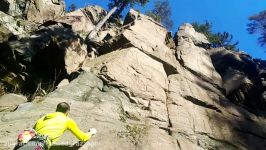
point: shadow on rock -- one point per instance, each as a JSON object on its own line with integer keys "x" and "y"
{"x": 42, "y": 60}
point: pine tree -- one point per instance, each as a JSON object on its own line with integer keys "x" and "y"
{"x": 162, "y": 13}
{"x": 258, "y": 25}
{"x": 219, "y": 39}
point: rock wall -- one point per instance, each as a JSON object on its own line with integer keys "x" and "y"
{"x": 37, "y": 11}
{"x": 139, "y": 93}
{"x": 241, "y": 78}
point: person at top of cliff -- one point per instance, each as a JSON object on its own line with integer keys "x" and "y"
{"x": 52, "y": 126}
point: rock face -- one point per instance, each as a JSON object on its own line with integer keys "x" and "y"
{"x": 144, "y": 33}
{"x": 187, "y": 31}
{"x": 148, "y": 36}
{"x": 194, "y": 58}
{"x": 10, "y": 24}
{"x": 240, "y": 76}
{"x": 59, "y": 47}
{"x": 83, "y": 20}
{"x": 33, "y": 53}
{"x": 142, "y": 92}
{"x": 48, "y": 9}
{"x": 33, "y": 9}
{"x": 142, "y": 78}
{"x": 52, "y": 50}
{"x": 9, "y": 102}
{"x": 4, "y": 34}
{"x": 136, "y": 66}
{"x": 13, "y": 7}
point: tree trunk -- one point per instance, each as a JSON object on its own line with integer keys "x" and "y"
{"x": 100, "y": 24}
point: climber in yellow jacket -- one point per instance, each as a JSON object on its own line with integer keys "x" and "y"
{"x": 55, "y": 124}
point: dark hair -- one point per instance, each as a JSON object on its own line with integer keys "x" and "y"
{"x": 62, "y": 107}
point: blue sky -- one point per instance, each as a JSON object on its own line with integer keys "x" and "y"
{"x": 226, "y": 15}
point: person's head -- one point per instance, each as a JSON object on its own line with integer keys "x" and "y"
{"x": 63, "y": 107}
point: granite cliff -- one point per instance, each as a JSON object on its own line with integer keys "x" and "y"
{"x": 139, "y": 85}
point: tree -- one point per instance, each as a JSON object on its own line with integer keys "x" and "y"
{"x": 162, "y": 13}
{"x": 219, "y": 39}
{"x": 258, "y": 25}
{"x": 122, "y": 4}
{"x": 225, "y": 40}
{"x": 72, "y": 7}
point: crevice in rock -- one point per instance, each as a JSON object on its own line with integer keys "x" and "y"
{"x": 170, "y": 125}
{"x": 155, "y": 118}
{"x": 178, "y": 144}
{"x": 201, "y": 103}
{"x": 167, "y": 130}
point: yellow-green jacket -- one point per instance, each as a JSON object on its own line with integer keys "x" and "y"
{"x": 55, "y": 124}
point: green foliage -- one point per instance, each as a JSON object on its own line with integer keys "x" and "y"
{"x": 162, "y": 13}
{"x": 72, "y": 7}
{"x": 220, "y": 39}
{"x": 122, "y": 4}
{"x": 203, "y": 28}
{"x": 258, "y": 25}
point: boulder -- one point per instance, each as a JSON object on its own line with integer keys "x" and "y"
{"x": 187, "y": 31}
{"x": 47, "y": 9}
{"x": 95, "y": 13}
{"x": 33, "y": 9}
{"x": 11, "y": 24}
{"x": 9, "y": 102}
{"x": 83, "y": 20}
{"x": 14, "y": 7}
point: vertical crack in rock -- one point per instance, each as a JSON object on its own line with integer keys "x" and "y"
{"x": 168, "y": 115}
{"x": 170, "y": 125}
